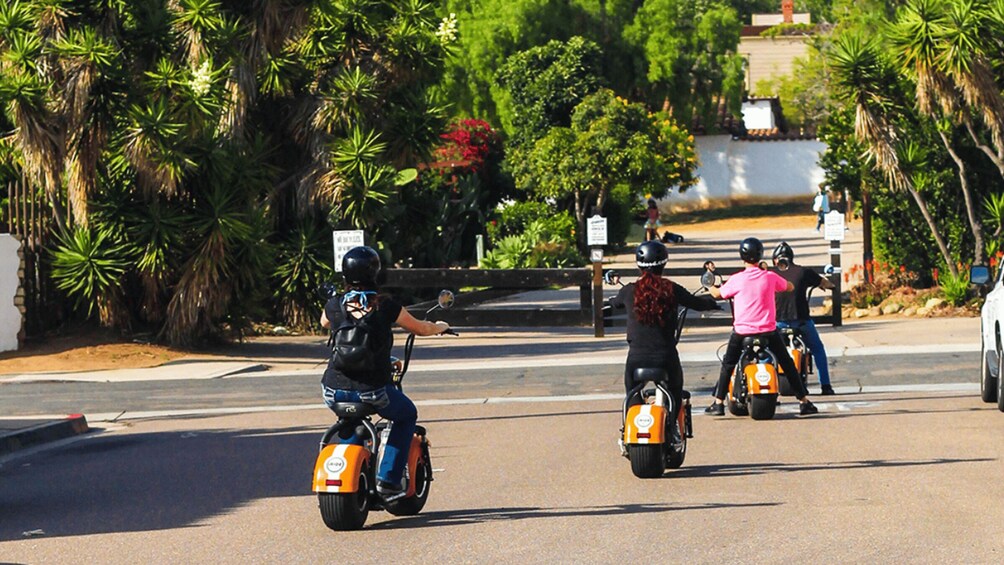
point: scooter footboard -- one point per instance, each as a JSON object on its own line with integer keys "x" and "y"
{"x": 645, "y": 423}
{"x": 338, "y": 467}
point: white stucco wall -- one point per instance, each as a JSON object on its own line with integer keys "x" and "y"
{"x": 10, "y": 315}
{"x": 758, "y": 114}
{"x": 732, "y": 169}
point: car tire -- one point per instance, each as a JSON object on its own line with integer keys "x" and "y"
{"x": 1000, "y": 382}
{"x": 988, "y": 384}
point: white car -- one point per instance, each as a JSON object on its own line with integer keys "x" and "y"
{"x": 991, "y": 318}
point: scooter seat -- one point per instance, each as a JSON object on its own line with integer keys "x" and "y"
{"x": 353, "y": 409}
{"x": 650, "y": 374}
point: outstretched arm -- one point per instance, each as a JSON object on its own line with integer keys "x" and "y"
{"x": 420, "y": 327}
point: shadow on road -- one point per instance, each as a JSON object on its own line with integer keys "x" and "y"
{"x": 480, "y": 515}
{"x": 520, "y": 416}
{"x": 746, "y": 469}
{"x": 152, "y": 481}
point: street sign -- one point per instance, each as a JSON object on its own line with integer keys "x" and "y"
{"x": 596, "y": 231}
{"x": 596, "y": 255}
{"x": 833, "y": 229}
{"x": 345, "y": 240}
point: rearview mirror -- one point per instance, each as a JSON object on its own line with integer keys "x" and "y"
{"x": 979, "y": 275}
{"x": 446, "y": 299}
{"x": 611, "y": 277}
{"x": 708, "y": 279}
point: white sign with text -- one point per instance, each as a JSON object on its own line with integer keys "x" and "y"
{"x": 596, "y": 231}
{"x": 833, "y": 229}
{"x": 345, "y": 240}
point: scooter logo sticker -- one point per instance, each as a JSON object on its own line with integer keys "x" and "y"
{"x": 762, "y": 376}
{"x": 334, "y": 465}
{"x": 643, "y": 421}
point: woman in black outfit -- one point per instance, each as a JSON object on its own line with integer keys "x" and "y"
{"x": 652, "y": 304}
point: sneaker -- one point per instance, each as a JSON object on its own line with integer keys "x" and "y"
{"x": 806, "y": 408}
{"x": 828, "y": 390}
{"x": 715, "y": 409}
{"x": 390, "y": 491}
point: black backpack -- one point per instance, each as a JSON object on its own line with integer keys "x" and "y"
{"x": 352, "y": 349}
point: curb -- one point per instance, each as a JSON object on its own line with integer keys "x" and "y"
{"x": 14, "y": 440}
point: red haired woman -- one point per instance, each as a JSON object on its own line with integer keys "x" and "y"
{"x": 652, "y": 304}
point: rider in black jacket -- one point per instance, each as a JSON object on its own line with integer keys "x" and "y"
{"x": 652, "y": 304}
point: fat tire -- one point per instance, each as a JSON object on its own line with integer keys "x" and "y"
{"x": 735, "y": 408}
{"x": 345, "y": 511}
{"x": 763, "y": 406}
{"x": 647, "y": 461}
{"x": 411, "y": 505}
{"x": 988, "y": 384}
{"x": 675, "y": 458}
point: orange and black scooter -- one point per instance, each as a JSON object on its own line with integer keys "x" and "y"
{"x": 651, "y": 439}
{"x": 351, "y": 449}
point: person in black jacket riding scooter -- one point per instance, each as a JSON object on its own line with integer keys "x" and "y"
{"x": 652, "y": 304}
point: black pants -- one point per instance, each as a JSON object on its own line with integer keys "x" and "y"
{"x": 776, "y": 345}
{"x": 671, "y": 364}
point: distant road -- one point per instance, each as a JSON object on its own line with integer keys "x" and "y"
{"x": 66, "y": 397}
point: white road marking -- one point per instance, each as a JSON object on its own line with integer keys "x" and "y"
{"x": 119, "y": 416}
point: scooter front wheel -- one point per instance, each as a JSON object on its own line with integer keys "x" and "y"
{"x": 346, "y": 511}
{"x": 411, "y": 505}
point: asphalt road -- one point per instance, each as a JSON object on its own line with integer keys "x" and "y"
{"x": 903, "y": 478}
{"x": 74, "y": 397}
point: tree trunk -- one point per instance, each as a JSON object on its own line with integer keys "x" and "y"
{"x": 866, "y": 234}
{"x": 997, "y": 158}
{"x": 580, "y": 220}
{"x": 934, "y": 230}
{"x": 967, "y": 195}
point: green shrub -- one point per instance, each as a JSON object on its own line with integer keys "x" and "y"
{"x": 955, "y": 288}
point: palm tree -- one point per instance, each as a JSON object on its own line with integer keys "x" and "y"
{"x": 864, "y": 78}
{"x": 933, "y": 41}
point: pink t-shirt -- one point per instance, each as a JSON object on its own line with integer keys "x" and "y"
{"x": 752, "y": 291}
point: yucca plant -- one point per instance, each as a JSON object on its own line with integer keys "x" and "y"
{"x": 303, "y": 263}
{"x": 89, "y": 265}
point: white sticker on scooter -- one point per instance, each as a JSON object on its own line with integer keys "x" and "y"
{"x": 643, "y": 421}
{"x": 334, "y": 465}
{"x": 762, "y": 376}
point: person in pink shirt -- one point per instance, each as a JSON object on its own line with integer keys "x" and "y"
{"x": 752, "y": 293}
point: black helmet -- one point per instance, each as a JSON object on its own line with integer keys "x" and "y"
{"x": 783, "y": 250}
{"x": 751, "y": 250}
{"x": 651, "y": 256}
{"x": 360, "y": 266}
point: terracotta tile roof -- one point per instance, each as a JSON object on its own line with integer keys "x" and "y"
{"x": 775, "y": 134}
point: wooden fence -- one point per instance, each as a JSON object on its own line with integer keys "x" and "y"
{"x": 28, "y": 217}
{"x": 497, "y": 283}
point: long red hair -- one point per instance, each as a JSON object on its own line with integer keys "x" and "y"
{"x": 653, "y": 295}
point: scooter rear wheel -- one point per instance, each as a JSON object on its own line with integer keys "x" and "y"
{"x": 763, "y": 406}
{"x": 346, "y": 511}
{"x": 647, "y": 461}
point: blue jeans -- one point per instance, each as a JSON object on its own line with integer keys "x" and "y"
{"x": 402, "y": 412}
{"x": 811, "y": 337}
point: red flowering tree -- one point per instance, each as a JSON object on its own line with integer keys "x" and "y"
{"x": 469, "y": 145}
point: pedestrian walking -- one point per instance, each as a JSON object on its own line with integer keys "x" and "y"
{"x": 821, "y": 205}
